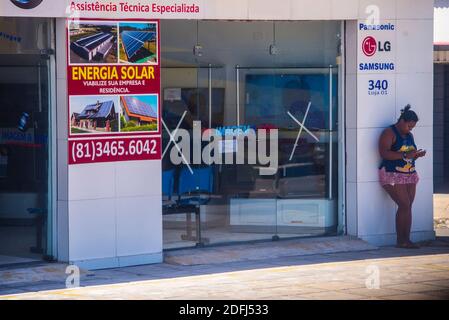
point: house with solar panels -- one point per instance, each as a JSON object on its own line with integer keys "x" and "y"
{"x": 94, "y": 46}
{"x": 98, "y": 117}
{"x": 137, "y": 111}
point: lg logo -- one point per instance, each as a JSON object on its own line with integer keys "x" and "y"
{"x": 27, "y": 4}
{"x": 370, "y": 46}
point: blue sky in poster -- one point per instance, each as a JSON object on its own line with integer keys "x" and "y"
{"x": 141, "y": 26}
{"x": 149, "y": 99}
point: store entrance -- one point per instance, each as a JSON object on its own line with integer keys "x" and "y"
{"x": 273, "y": 85}
{"x": 25, "y": 144}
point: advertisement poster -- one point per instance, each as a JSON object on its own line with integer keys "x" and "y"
{"x": 113, "y": 87}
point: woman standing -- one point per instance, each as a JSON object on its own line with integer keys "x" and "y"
{"x": 397, "y": 172}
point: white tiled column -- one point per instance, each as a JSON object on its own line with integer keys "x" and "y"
{"x": 370, "y": 212}
{"x": 414, "y": 82}
{"x": 62, "y": 211}
{"x": 351, "y": 127}
{"x": 109, "y": 214}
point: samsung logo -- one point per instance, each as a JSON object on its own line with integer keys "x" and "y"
{"x": 370, "y": 27}
{"x": 376, "y": 66}
{"x": 26, "y": 4}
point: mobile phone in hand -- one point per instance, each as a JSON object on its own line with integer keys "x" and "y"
{"x": 420, "y": 152}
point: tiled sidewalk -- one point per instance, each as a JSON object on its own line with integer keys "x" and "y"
{"x": 403, "y": 274}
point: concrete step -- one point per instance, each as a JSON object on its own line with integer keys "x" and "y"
{"x": 266, "y": 250}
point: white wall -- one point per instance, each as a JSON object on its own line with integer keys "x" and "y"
{"x": 213, "y": 9}
{"x": 371, "y": 213}
{"x": 239, "y": 9}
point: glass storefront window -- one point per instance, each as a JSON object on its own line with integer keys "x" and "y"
{"x": 25, "y": 140}
{"x": 233, "y": 76}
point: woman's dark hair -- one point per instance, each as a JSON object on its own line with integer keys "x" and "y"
{"x": 408, "y": 115}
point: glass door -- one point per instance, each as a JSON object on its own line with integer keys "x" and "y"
{"x": 193, "y": 102}
{"x": 180, "y": 113}
{"x": 25, "y": 144}
{"x": 298, "y": 198}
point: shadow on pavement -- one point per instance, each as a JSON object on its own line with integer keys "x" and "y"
{"x": 52, "y": 276}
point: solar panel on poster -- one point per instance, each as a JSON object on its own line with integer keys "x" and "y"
{"x": 139, "y": 107}
{"x": 86, "y": 40}
{"x": 134, "y": 40}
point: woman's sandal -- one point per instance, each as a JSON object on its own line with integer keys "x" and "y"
{"x": 407, "y": 245}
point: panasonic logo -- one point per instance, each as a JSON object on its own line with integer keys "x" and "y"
{"x": 370, "y": 27}
{"x": 376, "y": 66}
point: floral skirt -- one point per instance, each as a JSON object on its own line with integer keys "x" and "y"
{"x": 397, "y": 177}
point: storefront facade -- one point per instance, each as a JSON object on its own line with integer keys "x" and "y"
{"x": 322, "y": 78}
